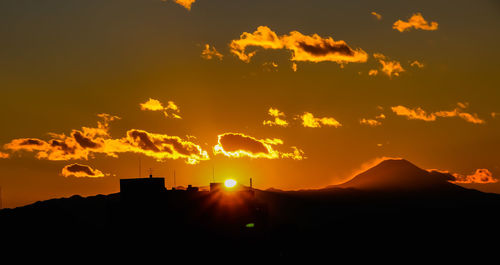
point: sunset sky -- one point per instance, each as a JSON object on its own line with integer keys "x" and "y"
{"x": 294, "y": 94}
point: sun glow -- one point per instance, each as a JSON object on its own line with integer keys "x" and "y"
{"x": 230, "y": 183}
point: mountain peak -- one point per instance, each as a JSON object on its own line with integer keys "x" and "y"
{"x": 399, "y": 174}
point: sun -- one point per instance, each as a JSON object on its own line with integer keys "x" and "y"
{"x": 230, "y": 183}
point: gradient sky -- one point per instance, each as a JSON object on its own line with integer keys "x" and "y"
{"x": 63, "y": 62}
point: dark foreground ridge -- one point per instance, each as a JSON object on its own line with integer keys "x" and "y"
{"x": 393, "y": 207}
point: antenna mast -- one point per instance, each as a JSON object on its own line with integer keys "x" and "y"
{"x": 139, "y": 167}
{"x": 175, "y": 183}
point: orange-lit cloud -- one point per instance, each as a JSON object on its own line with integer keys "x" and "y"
{"x": 170, "y": 111}
{"x": 185, "y": 3}
{"x": 210, "y": 53}
{"x": 4, "y": 155}
{"x": 376, "y": 15}
{"x": 370, "y": 122}
{"x": 278, "y": 118}
{"x": 417, "y": 64}
{"x": 416, "y": 21}
{"x": 373, "y": 122}
{"x": 81, "y": 171}
{"x": 238, "y": 145}
{"x": 309, "y": 121}
{"x": 390, "y": 68}
{"x": 294, "y": 67}
{"x": 373, "y": 72}
{"x": 482, "y": 176}
{"x": 85, "y": 143}
{"x": 158, "y": 146}
{"x": 495, "y": 114}
{"x": 270, "y": 66}
{"x": 420, "y": 114}
{"x": 305, "y": 48}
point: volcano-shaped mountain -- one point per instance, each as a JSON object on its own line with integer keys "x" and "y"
{"x": 400, "y": 175}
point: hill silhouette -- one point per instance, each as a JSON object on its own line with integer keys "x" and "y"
{"x": 393, "y": 206}
{"x": 400, "y": 175}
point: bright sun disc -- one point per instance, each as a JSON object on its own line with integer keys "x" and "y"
{"x": 229, "y": 183}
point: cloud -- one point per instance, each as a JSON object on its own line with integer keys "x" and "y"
{"x": 185, "y": 3}
{"x": 238, "y": 145}
{"x": 294, "y": 67}
{"x": 270, "y": 66}
{"x": 211, "y": 53}
{"x": 420, "y": 114}
{"x": 416, "y": 21}
{"x": 158, "y": 146}
{"x": 373, "y": 122}
{"x": 4, "y": 155}
{"x": 308, "y": 120}
{"x": 278, "y": 121}
{"x": 370, "y": 122}
{"x": 85, "y": 143}
{"x": 377, "y": 15}
{"x": 304, "y": 48}
{"x": 170, "y": 111}
{"x": 495, "y": 114}
{"x": 482, "y": 176}
{"x": 373, "y": 72}
{"x": 81, "y": 171}
{"x": 390, "y": 68}
{"x": 417, "y": 64}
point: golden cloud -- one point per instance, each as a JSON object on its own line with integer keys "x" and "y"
{"x": 305, "y": 48}
{"x": 308, "y": 120}
{"x": 210, "y": 53}
{"x": 482, "y": 176}
{"x": 370, "y": 122}
{"x": 278, "y": 121}
{"x": 373, "y": 72}
{"x": 390, "y": 68}
{"x": 416, "y": 21}
{"x": 82, "y": 144}
{"x": 237, "y": 145}
{"x": 185, "y": 3}
{"x": 81, "y": 171}
{"x": 376, "y": 15}
{"x": 170, "y": 111}
{"x": 4, "y": 155}
{"x": 417, "y": 64}
{"x": 420, "y": 114}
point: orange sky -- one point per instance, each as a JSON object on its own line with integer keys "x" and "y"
{"x": 295, "y": 94}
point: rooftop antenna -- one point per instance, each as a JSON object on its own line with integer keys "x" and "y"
{"x": 150, "y": 173}
{"x": 251, "y": 184}
{"x": 213, "y": 174}
{"x": 175, "y": 183}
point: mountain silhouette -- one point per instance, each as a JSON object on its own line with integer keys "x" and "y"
{"x": 400, "y": 175}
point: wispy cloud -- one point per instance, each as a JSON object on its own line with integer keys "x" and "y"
{"x": 309, "y": 121}
{"x": 4, "y": 155}
{"x": 185, "y": 3}
{"x": 170, "y": 111}
{"x": 389, "y": 67}
{"x": 416, "y": 21}
{"x": 238, "y": 145}
{"x": 81, "y": 171}
{"x": 376, "y": 15}
{"x": 210, "y": 53}
{"x": 417, "y": 64}
{"x": 304, "y": 48}
{"x": 278, "y": 118}
{"x": 420, "y": 114}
